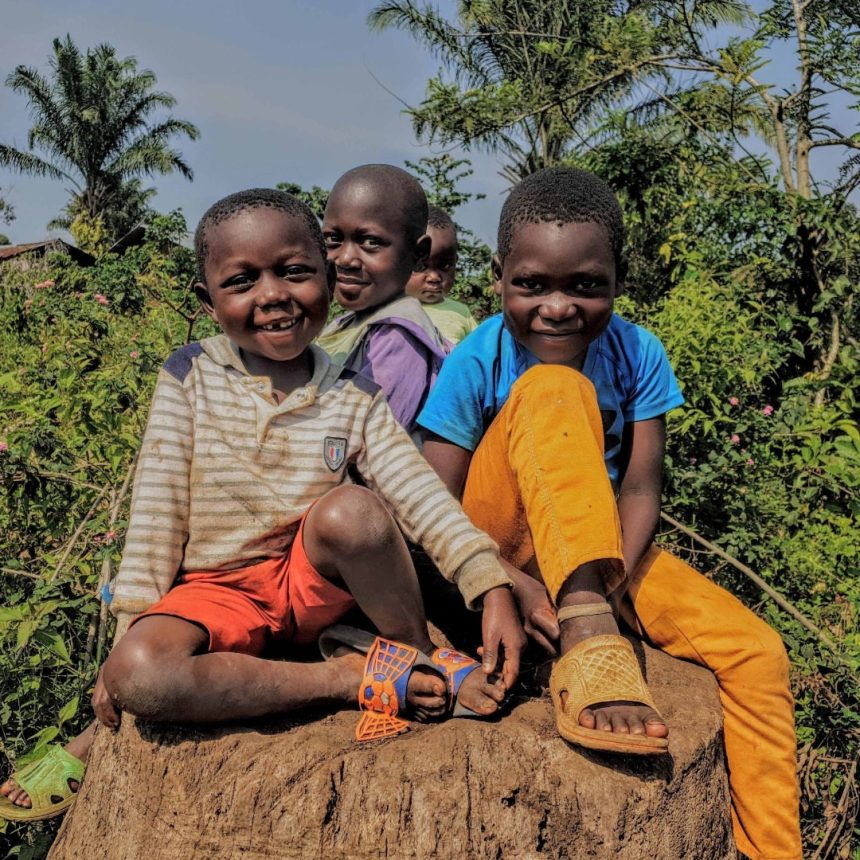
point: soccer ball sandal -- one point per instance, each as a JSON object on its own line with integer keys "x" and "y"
{"x": 455, "y": 668}
{"x": 389, "y": 664}
{"x": 48, "y": 783}
{"x": 599, "y": 669}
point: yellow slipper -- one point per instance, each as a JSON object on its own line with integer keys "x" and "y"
{"x": 600, "y": 669}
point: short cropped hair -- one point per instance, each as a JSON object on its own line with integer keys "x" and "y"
{"x": 440, "y": 219}
{"x": 243, "y": 201}
{"x": 400, "y": 188}
{"x": 564, "y": 195}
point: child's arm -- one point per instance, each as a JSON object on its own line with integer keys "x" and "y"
{"x": 654, "y": 393}
{"x": 158, "y": 521}
{"x": 449, "y": 461}
{"x": 394, "y": 468}
{"x": 641, "y": 488}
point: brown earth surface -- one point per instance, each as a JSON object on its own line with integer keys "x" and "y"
{"x": 511, "y": 788}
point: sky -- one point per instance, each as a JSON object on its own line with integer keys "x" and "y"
{"x": 281, "y": 90}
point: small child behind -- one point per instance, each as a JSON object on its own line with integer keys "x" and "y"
{"x": 374, "y": 228}
{"x": 430, "y": 284}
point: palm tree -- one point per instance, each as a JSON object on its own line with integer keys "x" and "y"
{"x": 505, "y": 55}
{"x": 92, "y": 129}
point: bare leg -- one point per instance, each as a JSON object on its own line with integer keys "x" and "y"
{"x": 585, "y": 585}
{"x": 79, "y": 747}
{"x": 350, "y": 538}
{"x": 157, "y": 671}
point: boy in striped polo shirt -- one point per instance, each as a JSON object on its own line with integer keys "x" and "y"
{"x": 243, "y": 482}
{"x": 246, "y": 531}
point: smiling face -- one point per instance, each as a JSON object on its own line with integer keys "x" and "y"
{"x": 431, "y": 283}
{"x": 369, "y": 243}
{"x": 266, "y": 285}
{"x": 558, "y": 286}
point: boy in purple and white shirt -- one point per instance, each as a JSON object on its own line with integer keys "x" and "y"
{"x": 375, "y": 233}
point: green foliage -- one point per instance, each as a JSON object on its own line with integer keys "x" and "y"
{"x": 316, "y": 198}
{"x": 81, "y": 350}
{"x": 764, "y": 458}
{"x": 93, "y": 129}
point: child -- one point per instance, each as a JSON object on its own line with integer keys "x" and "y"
{"x": 549, "y": 421}
{"x": 374, "y": 232}
{"x": 431, "y": 283}
{"x": 244, "y": 528}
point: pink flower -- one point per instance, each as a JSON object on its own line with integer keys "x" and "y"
{"x": 102, "y": 300}
{"x": 736, "y": 440}
{"x": 767, "y": 411}
{"x": 733, "y": 401}
{"x": 693, "y": 461}
{"x": 750, "y": 462}
{"x": 134, "y": 354}
{"x": 110, "y": 536}
{"x": 4, "y": 447}
{"x": 43, "y": 285}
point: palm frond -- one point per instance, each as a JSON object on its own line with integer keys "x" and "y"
{"x": 27, "y": 162}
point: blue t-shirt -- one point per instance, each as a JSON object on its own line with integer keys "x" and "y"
{"x": 627, "y": 366}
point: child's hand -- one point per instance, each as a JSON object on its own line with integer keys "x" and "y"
{"x": 503, "y": 635}
{"x": 106, "y": 711}
{"x": 536, "y": 610}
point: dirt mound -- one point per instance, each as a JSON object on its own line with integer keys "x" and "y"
{"x": 462, "y": 789}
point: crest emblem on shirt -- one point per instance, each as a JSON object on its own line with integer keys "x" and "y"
{"x": 334, "y": 452}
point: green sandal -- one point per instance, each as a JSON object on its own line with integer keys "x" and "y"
{"x": 47, "y": 782}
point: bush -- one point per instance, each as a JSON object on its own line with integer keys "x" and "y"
{"x": 80, "y": 352}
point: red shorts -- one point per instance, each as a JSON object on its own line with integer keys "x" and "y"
{"x": 278, "y": 600}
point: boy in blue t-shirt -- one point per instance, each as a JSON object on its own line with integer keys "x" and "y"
{"x": 549, "y": 423}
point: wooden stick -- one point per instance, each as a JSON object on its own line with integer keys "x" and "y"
{"x": 770, "y": 592}
{"x": 117, "y": 500}
{"x": 74, "y": 539}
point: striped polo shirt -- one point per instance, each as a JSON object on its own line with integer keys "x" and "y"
{"x": 225, "y": 473}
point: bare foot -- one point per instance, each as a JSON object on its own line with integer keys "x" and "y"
{"x": 79, "y": 747}
{"x": 621, "y": 716}
{"x": 481, "y": 693}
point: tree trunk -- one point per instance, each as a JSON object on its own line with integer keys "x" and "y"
{"x": 513, "y": 789}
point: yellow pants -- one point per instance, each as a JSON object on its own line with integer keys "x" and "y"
{"x": 538, "y": 485}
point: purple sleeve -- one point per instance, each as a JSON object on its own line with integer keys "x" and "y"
{"x": 402, "y": 367}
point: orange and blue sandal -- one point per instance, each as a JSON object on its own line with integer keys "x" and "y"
{"x": 596, "y": 670}
{"x": 389, "y": 664}
{"x": 382, "y": 692}
{"x": 48, "y": 782}
{"x": 455, "y": 668}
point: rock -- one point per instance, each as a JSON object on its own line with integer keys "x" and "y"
{"x": 512, "y": 789}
